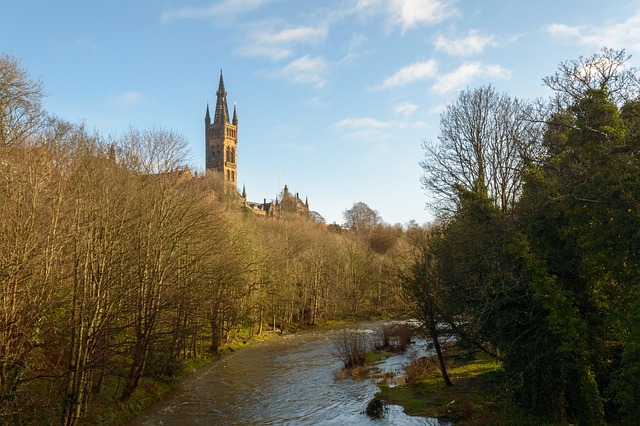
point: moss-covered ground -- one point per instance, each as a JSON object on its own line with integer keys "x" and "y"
{"x": 477, "y": 397}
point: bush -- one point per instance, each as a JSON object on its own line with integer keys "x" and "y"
{"x": 396, "y": 336}
{"x": 417, "y": 368}
{"x": 351, "y": 347}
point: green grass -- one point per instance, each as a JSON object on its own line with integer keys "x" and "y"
{"x": 477, "y": 397}
{"x": 373, "y": 357}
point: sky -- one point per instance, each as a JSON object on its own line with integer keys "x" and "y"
{"x": 334, "y": 97}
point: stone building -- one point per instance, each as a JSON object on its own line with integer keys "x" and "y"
{"x": 221, "y": 156}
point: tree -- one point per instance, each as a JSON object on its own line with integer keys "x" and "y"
{"x": 361, "y": 217}
{"x": 423, "y": 289}
{"x": 21, "y": 113}
{"x": 607, "y": 69}
{"x": 485, "y": 138}
{"x": 98, "y": 203}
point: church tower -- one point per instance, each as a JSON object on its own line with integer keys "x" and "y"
{"x": 221, "y": 138}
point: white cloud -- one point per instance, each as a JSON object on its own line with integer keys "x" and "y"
{"x": 360, "y": 123}
{"x": 411, "y": 13}
{"x": 271, "y": 52}
{"x": 306, "y": 69}
{"x": 297, "y": 147}
{"x": 407, "y": 13}
{"x": 466, "y": 73}
{"x": 412, "y": 73}
{"x": 406, "y": 109}
{"x": 368, "y": 129}
{"x": 316, "y": 102}
{"x": 224, "y": 8}
{"x": 128, "y": 99}
{"x": 625, "y": 34}
{"x": 279, "y": 44}
{"x": 295, "y": 35}
{"x": 472, "y": 43}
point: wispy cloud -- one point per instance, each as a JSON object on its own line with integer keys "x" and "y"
{"x": 367, "y": 128}
{"x": 305, "y": 70}
{"x": 625, "y": 34}
{"x": 466, "y": 73}
{"x": 411, "y": 73}
{"x": 407, "y": 109}
{"x": 297, "y": 147}
{"x": 128, "y": 99}
{"x": 222, "y": 8}
{"x": 407, "y": 14}
{"x": 473, "y": 43}
{"x": 316, "y": 102}
{"x": 279, "y": 44}
{"x": 411, "y": 13}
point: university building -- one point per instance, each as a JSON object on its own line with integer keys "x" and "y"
{"x": 221, "y": 156}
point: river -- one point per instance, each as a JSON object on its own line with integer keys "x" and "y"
{"x": 288, "y": 380}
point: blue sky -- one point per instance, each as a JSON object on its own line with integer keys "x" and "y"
{"x": 334, "y": 97}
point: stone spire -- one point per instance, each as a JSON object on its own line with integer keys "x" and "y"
{"x": 222, "y": 110}
{"x": 235, "y": 116}
{"x": 207, "y": 117}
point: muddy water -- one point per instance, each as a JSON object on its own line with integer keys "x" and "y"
{"x": 284, "y": 381}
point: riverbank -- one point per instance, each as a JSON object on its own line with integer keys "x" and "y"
{"x": 111, "y": 411}
{"x": 478, "y": 395}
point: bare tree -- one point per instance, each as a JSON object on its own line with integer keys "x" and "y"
{"x": 361, "y": 217}
{"x": 485, "y": 138}
{"x": 21, "y": 113}
{"x": 607, "y": 69}
{"x": 151, "y": 151}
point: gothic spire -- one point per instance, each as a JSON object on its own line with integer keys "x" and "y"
{"x": 222, "y": 111}
{"x": 207, "y": 117}
{"x": 235, "y": 116}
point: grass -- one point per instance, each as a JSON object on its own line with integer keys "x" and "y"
{"x": 477, "y": 397}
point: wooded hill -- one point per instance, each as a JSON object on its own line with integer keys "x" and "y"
{"x": 117, "y": 264}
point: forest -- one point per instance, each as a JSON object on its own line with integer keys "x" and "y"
{"x": 535, "y": 258}
{"x": 119, "y": 265}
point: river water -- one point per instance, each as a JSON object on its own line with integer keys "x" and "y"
{"x": 288, "y": 380}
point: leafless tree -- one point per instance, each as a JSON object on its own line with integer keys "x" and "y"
{"x": 21, "y": 113}
{"x": 606, "y": 69}
{"x": 485, "y": 139}
{"x": 361, "y": 217}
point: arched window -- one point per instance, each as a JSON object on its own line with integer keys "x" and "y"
{"x": 233, "y": 155}
{"x": 233, "y": 176}
{"x": 228, "y": 175}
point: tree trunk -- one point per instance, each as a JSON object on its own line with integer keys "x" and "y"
{"x": 433, "y": 331}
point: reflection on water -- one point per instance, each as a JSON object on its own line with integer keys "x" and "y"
{"x": 284, "y": 381}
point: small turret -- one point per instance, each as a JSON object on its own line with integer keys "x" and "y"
{"x": 235, "y": 116}
{"x": 207, "y": 117}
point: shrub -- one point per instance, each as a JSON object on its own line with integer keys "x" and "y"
{"x": 351, "y": 347}
{"x": 417, "y": 368}
{"x": 396, "y": 336}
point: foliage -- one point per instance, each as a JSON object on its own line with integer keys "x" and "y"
{"x": 549, "y": 285}
{"x": 119, "y": 267}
